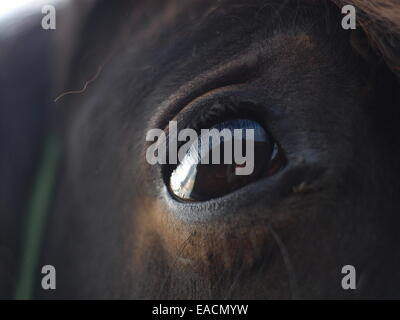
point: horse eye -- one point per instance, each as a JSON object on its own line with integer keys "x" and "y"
{"x": 196, "y": 180}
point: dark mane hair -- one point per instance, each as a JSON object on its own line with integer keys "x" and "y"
{"x": 380, "y": 20}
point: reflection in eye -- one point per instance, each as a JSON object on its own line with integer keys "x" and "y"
{"x": 195, "y": 181}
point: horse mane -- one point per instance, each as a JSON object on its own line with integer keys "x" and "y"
{"x": 380, "y": 20}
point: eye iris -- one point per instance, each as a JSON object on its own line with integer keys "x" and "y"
{"x": 193, "y": 180}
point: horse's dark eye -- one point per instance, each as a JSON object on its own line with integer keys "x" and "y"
{"x": 197, "y": 179}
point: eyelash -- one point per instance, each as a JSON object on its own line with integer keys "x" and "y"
{"x": 221, "y": 110}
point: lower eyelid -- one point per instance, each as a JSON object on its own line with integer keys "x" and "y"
{"x": 267, "y": 192}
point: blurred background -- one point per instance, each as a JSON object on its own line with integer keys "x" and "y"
{"x": 27, "y": 86}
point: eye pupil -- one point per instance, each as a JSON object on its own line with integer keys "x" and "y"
{"x": 193, "y": 180}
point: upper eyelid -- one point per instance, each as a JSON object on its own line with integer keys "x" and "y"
{"x": 228, "y": 101}
{"x": 193, "y": 115}
{"x": 200, "y": 106}
{"x": 201, "y": 120}
{"x": 233, "y": 72}
{"x": 264, "y": 111}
